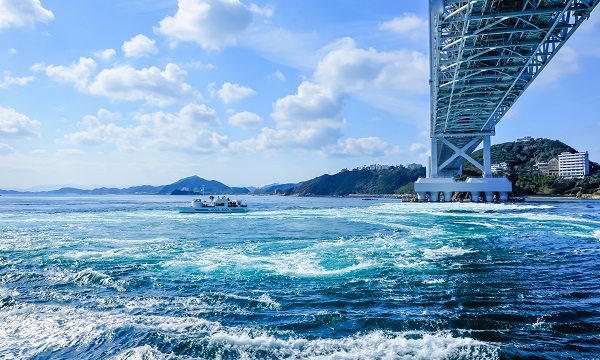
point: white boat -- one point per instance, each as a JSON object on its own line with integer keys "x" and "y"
{"x": 215, "y": 205}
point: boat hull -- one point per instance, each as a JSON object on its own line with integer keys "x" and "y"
{"x": 224, "y": 209}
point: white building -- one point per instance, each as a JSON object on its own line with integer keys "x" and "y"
{"x": 573, "y": 166}
{"x": 498, "y": 167}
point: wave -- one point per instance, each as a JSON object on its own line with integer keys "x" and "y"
{"x": 33, "y": 330}
{"x": 89, "y": 277}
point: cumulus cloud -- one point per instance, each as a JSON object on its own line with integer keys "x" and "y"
{"x": 9, "y": 80}
{"x": 19, "y": 13}
{"x": 105, "y": 55}
{"x": 408, "y": 25}
{"x": 212, "y": 24}
{"x": 151, "y": 85}
{"x": 565, "y": 62}
{"x": 186, "y": 131}
{"x": 139, "y": 46}
{"x": 313, "y": 118}
{"x": 246, "y": 120}
{"x": 125, "y": 83}
{"x": 6, "y": 149}
{"x": 231, "y": 93}
{"x": 348, "y": 68}
{"x": 310, "y": 120}
{"x": 369, "y": 146}
{"x": 16, "y": 125}
{"x": 77, "y": 73}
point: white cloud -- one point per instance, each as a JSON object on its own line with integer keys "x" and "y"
{"x": 408, "y": 25}
{"x": 16, "y": 125}
{"x": 279, "y": 75}
{"x": 17, "y": 13}
{"x": 6, "y": 149}
{"x": 77, "y": 73}
{"x": 231, "y": 93}
{"x": 312, "y": 102}
{"x": 198, "y": 65}
{"x": 139, "y": 46}
{"x": 245, "y": 120}
{"x": 151, "y": 85}
{"x": 565, "y": 62}
{"x": 313, "y": 118}
{"x": 212, "y": 24}
{"x": 187, "y": 131}
{"x": 266, "y": 11}
{"x": 105, "y": 55}
{"x": 125, "y": 83}
{"x": 347, "y": 68}
{"x": 9, "y": 80}
{"x": 370, "y": 146}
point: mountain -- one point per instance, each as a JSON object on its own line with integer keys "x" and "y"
{"x": 359, "y": 181}
{"x": 190, "y": 185}
{"x": 275, "y": 188}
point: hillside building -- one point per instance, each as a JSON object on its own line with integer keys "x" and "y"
{"x": 553, "y": 167}
{"x": 499, "y": 167}
{"x": 573, "y": 166}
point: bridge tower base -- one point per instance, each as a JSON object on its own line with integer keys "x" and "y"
{"x": 479, "y": 188}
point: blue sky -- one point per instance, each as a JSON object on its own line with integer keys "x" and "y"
{"x": 133, "y": 92}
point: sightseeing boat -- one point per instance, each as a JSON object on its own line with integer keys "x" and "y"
{"x": 215, "y": 205}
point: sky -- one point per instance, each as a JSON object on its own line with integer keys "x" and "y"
{"x": 131, "y": 92}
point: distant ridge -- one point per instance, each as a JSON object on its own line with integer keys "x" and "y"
{"x": 189, "y": 185}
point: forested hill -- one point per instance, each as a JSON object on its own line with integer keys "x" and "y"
{"x": 523, "y": 155}
{"x": 359, "y": 181}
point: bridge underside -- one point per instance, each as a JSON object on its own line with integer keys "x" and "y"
{"x": 484, "y": 55}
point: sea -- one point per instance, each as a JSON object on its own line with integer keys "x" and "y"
{"x": 129, "y": 277}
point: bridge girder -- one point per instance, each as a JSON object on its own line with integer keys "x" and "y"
{"x": 484, "y": 55}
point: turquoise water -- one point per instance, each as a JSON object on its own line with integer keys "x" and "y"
{"x": 127, "y": 277}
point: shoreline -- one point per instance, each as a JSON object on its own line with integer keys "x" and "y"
{"x": 556, "y": 198}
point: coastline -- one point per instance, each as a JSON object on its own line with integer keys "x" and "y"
{"x": 556, "y": 198}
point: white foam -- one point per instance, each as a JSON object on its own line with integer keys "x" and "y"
{"x": 89, "y": 277}
{"x": 145, "y": 352}
{"x": 434, "y": 281}
{"x": 31, "y": 330}
{"x": 597, "y": 234}
{"x": 373, "y": 345}
{"x": 445, "y": 251}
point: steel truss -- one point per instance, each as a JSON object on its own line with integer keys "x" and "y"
{"x": 484, "y": 54}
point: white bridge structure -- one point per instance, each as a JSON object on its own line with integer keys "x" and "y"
{"x": 484, "y": 54}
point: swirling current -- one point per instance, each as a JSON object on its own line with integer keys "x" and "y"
{"x": 128, "y": 277}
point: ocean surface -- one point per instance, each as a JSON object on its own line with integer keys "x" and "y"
{"x": 128, "y": 277}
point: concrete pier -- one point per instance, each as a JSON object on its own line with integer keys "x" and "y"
{"x": 475, "y": 186}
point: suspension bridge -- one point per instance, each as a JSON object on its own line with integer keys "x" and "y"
{"x": 484, "y": 54}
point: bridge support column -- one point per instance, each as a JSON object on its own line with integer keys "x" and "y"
{"x": 487, "y": 157}
{"x": 448, "y": 195}
{"x": 489, "y": 196}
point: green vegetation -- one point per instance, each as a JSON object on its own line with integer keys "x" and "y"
{"x": 522, "y": 156}
{"x": 359, "y": 181}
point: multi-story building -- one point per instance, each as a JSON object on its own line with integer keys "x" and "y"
{"x": 573, "y": 166}
{"x": 543, "y": 167}
{"x": 498, "y": 167}
{"x": 553, "y": 167}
